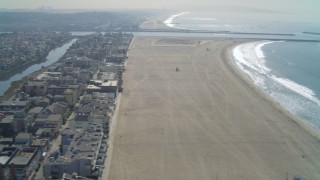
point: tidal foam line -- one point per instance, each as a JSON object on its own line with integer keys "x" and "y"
{"x": 169, "y": 21}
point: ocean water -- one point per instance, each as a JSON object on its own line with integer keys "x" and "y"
{"x": 245, "y": 22}
{"x": 288, "y": 71}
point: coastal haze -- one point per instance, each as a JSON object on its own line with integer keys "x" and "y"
{"x": 285, "y": 5}
{"x": 190, "y": 106}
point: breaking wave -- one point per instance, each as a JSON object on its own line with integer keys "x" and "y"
{"x": 169, "y": 21}
{"x": 250, "y": 58}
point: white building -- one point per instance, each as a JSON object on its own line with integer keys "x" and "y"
{"x": 80, "y": 151}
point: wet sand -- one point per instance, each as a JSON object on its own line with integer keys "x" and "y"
{"x": 204, "y": 122}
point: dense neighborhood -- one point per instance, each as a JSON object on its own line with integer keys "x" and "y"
{"x": 56, "y": 125}
{"x": 68, "y": 20}
{"x": 20, "y": 50}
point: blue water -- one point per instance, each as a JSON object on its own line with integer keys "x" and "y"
{"x": 287, "y": 71}
{"x": 299, "y": 63}
{"x": 246, "y": 22}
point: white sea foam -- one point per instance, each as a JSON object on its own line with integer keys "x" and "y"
{"x": 297, "y": 88}
{"x": 239, "y": 55}
{"x": 169, "y": 21}
{"x": 251, "y": 59}
{"x": 258, "y": 49}
{"x": 251, "y": 55}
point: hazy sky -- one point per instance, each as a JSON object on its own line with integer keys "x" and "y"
{"x": 304, "y": 6}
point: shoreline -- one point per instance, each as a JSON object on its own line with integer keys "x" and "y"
{"x": 204, "y": 118}
{"x": 168, "y": 22}
{"x": 246, "y": 78}
{"x": 113, "y": 126}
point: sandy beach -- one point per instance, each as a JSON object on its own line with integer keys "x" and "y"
{"x": 205, "y": 121}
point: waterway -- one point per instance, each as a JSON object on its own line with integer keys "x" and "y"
{"x": 53, "y": 56}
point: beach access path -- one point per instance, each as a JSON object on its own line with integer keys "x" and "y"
{"x": 204, "y": 121}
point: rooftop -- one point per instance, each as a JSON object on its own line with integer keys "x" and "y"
{"x": 4, "y": 159}
{"x": 21, "y": 160}
{"x": 54, "y": 117}
{"x": 85, "y": 143}
{"x": 6, "y": 154}
{"x": 36, "y": 83}
{"x": 24, "y": 157}
{"x": 73, "y": 177}
{"x": 5, "y": 141}
{"x": 39, "y": 142}
{"x": 14, "y": 103}
{"x": 35, "y": 110}
{"x": 107, "y": 75}
{"x": 110, "y": 83}
{"x": 23, "y": 135}
{"x": 64, "y": 87}
{"x": 93, "y": 87}
{"x": 51, "y": 117}
{"x": 7, "y": 119}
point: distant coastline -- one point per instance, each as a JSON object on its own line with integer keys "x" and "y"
{"x": 169, "y": 21}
